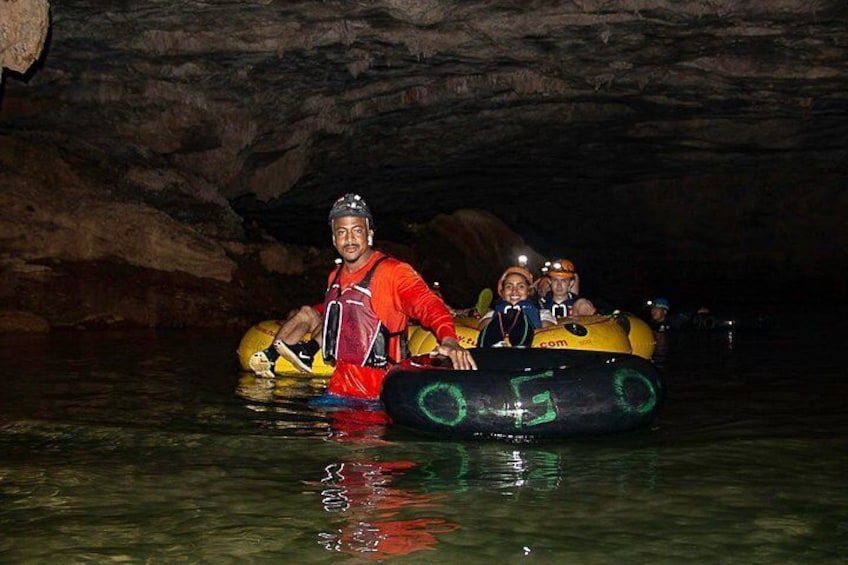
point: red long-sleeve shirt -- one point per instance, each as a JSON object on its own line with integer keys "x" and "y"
{"x": 398, "y": 293}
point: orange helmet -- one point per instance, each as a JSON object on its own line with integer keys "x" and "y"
{"x": 562, "y": 269}
{"x": 543, "y": 285}
{"x": 528, "y": 276}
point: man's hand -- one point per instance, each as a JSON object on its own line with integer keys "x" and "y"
{"x": 460, "y": 358}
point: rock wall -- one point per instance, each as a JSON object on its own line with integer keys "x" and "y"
{"x": 23, "y": 29}
{"x": 659, "y": 145}
{"x": 77, "y": 251}
{"x": 466, "y": 251}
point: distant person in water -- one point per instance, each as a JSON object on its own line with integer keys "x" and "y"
{"x": 659, "y": 314}
{"x": 369, "y": 300}
{"x": 563, "y": 298}
{"x": 515, "y": 316}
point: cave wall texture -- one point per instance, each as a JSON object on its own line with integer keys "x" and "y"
{"x": 171, "y": 163}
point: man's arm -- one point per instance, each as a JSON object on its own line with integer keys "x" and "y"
{"x": 421, "y": 303}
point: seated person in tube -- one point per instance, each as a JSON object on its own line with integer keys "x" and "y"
{"x": 515, "y": 316}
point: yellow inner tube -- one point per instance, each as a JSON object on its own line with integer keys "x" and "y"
{"x": 260, "y": 336}
{"x": 589, "y": 333}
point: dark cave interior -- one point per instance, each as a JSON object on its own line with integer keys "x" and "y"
{"x": 693, "y": 149}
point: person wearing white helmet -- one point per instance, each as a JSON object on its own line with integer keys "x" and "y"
{"x": 369, "y": 300}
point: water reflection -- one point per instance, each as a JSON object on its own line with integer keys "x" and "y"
{"x": 370, "y": 507}
{"x": 459, "y": 468}
{"x": 398, "y": 494}
{"x": 279, "y": 405}
{"x": 382, "y": 508}
{"x": 370, "y": 514}
{"x": 134, "y": 448}
{"x": 251, "y": 387}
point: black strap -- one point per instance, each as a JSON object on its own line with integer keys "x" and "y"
{"x": 366, "y": 280}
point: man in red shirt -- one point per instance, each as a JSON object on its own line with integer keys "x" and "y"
{"x": 369, "y": 301}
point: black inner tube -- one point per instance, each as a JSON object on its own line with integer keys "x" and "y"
{"x": 525, "y": 393}
{"x": 536, "y": 358}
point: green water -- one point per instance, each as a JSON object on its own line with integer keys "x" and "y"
{"x": 144, "y": 447}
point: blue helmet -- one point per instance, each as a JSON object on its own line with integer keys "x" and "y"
{"x": 661, "y": 302}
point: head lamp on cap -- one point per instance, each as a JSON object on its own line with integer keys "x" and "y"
{"x": 351, "y": 205}
{"x": 661, "y": 302}
{"x": 562, "y": 269}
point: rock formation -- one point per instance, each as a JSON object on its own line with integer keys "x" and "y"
{"x": 23, "y": 29}
{"x": 172, "y": 163}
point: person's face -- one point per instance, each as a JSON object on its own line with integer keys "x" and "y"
{"x": 515, "y": 288}
{"x": 543, "y": 286}
{"x": 560, "y": 288}
{"x": 350, "y": 237}
{"x": 657, "y": 314}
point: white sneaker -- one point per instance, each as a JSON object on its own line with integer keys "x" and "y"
{"x": 295, "y": 354}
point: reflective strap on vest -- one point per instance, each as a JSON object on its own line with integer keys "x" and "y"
{"x": 559, "y": 310}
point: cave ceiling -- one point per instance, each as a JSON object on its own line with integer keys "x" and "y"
{"x": 544, "y": 113}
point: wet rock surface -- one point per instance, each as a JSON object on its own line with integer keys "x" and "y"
{"x": 185, "y": 154}
{"x": 23, "y": 30}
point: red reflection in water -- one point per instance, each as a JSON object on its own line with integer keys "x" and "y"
{"x": 357, "y": 424}
{"x": 362, "y": 491}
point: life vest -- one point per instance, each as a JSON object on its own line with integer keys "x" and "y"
{"x": 353, "y": 332}
{"x": 559, "y": 309}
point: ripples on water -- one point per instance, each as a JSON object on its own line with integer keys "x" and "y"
{"x": 148, "y": 447}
